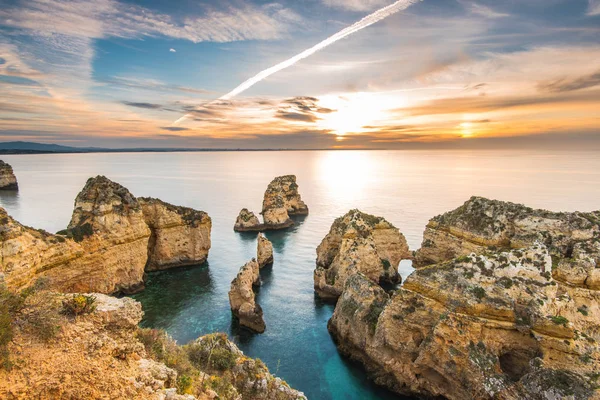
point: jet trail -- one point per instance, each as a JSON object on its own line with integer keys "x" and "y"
{"x": 357, "y": 26}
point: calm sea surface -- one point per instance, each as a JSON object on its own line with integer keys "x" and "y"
{"x": 407, "y": 188}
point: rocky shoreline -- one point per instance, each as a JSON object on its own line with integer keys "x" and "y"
{"x": 503, "y": 305}
{"x": 504, "y": 302}
{"x": 112, "y": 240}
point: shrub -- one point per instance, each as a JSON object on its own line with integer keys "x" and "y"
{"x": 559, "y": 320}
{"x": 478, "y": 292}
{"x": 79, "y": 304}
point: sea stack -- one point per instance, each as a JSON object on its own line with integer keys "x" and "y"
{"x": 8, "y": 180}
{"x": 281, "y": 200}
{"x": 242, "y": 299}
{"x": 264, "y": 251}
{"x": 180, "y": 236}
{"x": 247, "y": 221}
{"x": 508, "y": 323}
{"x": 358, "y": 242}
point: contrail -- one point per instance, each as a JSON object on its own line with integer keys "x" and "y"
{"x": 357, "y": 26}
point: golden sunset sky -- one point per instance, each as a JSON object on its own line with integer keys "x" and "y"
{"x": 441, "y": 73}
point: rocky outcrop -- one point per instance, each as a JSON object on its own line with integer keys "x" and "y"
{"x": 264, "y": 251}
{"x": 107, "y": 244}
{"x": 180, "y": 236}
{"x": 242, "y": 299}
{"x": 8, "y": 180}
{"x": 103, "y": 354}
{"x": 281, "y": 200}
{"x": 497, "y": 323}
{"x": 247, "y": 221}
{"x": 481, "y": 224}
{"x": 358, "y": 242}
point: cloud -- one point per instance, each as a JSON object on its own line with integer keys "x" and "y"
{"x": 301, "y": 109}
{"x": 356, "y": 5}
{"x": 172, "y": 50}
{"x": 174, "y": 128}
{"x": 568, "y": 85}
{"x": 593, "y": 7}
{"x": 148, "y": 106}
{"x": 151, "y": 85}
{"x": 485, "y": 11}
{"x": 109, "y": 18}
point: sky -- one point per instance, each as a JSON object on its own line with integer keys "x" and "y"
{"x": 438, "y": 74}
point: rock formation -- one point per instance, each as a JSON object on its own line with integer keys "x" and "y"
{"x": 103, "y": 354}
{"x": 242, "y": 299}
{"x": 180, "y": 235}
{"x": 264, "y": 251}
{"x": 281, "y": 200}
{"x": 108, "y": 223}
{"x": 8, "y": 180}
{"x": 480, "y": 224}
{"x": 358, "y": 242}
{"x": 503, "y": 323}
{"x": 247, "y": 221}
{"x": 107, "y": 243}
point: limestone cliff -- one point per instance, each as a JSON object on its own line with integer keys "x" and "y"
{"x": 480, "y": 224}
{"x": 179, "y": 235}
{"x": 358, "y": 242}
{"x": 8, "y": 180}
{"x": 281, "y": 200}
{"x": 107, "y": 244}
{"x": 247, "y": 221}
{"x": 496, "y": 323}
{"x": 109, "y": 225}
{"x": 102, "y": 354}
{"x": 264, "y": 251}
{"x": 242, "y": 299}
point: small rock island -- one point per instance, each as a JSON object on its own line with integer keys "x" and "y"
{"x": 504, "y": 304}
{"x": 264, "y": 251}
{"x": 8, "y": 180}
{"x": 281, "y": 200}
{"x": 358, "y": 242}
{"x": 242, "y": 299}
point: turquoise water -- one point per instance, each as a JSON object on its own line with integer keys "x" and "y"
{"x": 407, "y": 188}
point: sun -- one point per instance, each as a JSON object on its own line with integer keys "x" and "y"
{"x": 351, "y": 113}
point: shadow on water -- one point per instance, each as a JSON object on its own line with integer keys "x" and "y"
{"x": 279, "y": 237}
{"x": 10, "y": 198}
{"x": 240, "y": 334}
{"x": 172, "y": 291}
{"x": 247, "y": 236}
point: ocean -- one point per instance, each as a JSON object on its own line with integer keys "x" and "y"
{"x": 405, "y": 187}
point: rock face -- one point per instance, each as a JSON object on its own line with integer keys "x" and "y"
{"x": 180, "y": 236}
{"x": 480, "y": 224}
{"x": 247, "y": 221}
{"x": 242, "y": 300}
{"x": 104, "y": 354}
{"x": 107, "y": 244}
{"x": 109, "y": 225}
{"x": 358, "y": 242}
{"x": 264, "y": 251}
{"x": 282, "y": 200}
{"x": 8, "y": 180}
{"x": 512, "y": 324}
